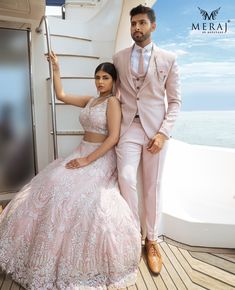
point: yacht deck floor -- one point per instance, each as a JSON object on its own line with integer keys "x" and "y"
{"x": 185, "y": 267}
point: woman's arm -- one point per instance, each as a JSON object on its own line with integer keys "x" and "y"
{"x": 114, "y": 123}
{"x": 79, "y": 101}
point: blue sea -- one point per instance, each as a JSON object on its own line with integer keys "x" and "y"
{"x": 210, "y": 128}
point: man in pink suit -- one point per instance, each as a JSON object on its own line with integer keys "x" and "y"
{"x": 150, "y": 100}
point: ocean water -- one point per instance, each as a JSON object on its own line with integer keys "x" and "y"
{"x": 210, "y": 128}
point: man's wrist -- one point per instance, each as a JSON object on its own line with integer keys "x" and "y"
{"x": 162, "y": 135}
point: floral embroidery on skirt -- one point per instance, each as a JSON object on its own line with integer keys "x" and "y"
{"x": 71, "y": 229}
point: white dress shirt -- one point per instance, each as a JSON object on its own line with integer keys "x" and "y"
{"x": 135, "y": 56}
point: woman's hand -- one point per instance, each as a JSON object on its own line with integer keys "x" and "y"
{"x": 77, "y": 163}
{"x": 54, "y": 60}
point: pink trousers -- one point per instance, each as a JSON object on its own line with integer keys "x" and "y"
{"x": 131, "y": 150}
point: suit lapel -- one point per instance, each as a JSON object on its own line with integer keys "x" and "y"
{"x": 151, "y": 68}
{"x": 128, "y": 71}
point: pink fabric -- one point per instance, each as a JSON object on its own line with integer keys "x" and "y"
{"x": 71, "y": 229}
{"x": 156, "y": 98}
{"x": 131, "y": 149}
{"x": 94, "y": 122}
{"x": 141, "y": 62}
{"x": 161, "y": 86}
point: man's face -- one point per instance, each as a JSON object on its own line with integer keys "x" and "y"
{"x": 141, "y": 28}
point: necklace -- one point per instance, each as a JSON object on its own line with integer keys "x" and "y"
{"x": 99, "y": 100}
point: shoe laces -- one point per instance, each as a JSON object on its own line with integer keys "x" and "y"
{"x": 153, "y": 249}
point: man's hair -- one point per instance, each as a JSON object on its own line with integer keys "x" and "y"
{"x": 140, "y": 9}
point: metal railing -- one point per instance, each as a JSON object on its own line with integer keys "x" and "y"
{"x": 63, "y": 11}
{"x": 52, "y": 91}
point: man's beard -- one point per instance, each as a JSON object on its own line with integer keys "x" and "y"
{"x": 141, "y": 37}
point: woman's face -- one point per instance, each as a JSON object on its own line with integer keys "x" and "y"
{"x": 103, "y": 82}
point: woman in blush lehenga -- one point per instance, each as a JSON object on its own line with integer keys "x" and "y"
{"x": 69, "y": 228}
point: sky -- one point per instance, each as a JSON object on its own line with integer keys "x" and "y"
{"x": 206, "y": 60}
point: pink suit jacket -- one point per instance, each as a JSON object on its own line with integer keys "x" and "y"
{"x": 158, "y": 100}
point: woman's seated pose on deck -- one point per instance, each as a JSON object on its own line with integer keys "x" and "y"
{"x": 69, "y": 228}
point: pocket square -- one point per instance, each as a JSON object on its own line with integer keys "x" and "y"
{"x": 162, "y": 75}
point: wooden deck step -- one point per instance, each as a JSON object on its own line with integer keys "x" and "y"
{"x": 179, "y": 268}
{"x": 213, "y": 260}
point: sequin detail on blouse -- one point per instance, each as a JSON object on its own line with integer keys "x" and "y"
{"x": 93, "y": 118}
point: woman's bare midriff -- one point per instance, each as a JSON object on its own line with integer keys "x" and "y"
{"x": 94, "y": 137}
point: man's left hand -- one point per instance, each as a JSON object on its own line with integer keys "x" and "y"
{"x": 157, "y": 143}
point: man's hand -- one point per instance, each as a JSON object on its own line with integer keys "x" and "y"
{"x": 157, "y": 143}
{"x": 77, "y": 163}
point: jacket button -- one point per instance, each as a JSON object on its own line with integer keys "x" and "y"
{"x": 137, "y": 98}
{"x": 137, "y": 88}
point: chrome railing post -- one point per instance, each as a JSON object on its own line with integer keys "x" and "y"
{"x": 52, "y": 91}
{"x": 63, "y": 11}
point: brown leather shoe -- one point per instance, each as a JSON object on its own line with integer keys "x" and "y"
{"x": 154, "y": 257}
